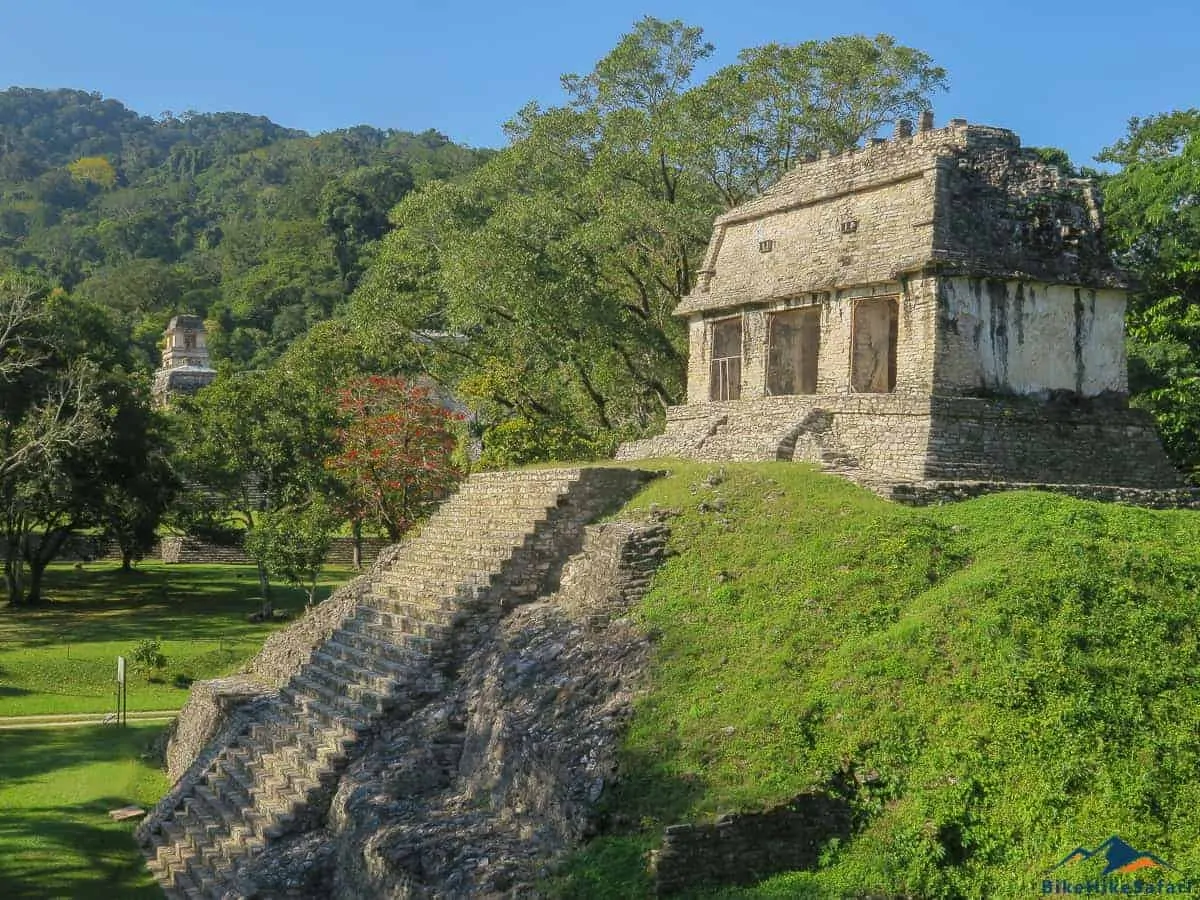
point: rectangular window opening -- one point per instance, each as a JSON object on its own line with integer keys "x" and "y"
{"x": 873, "y": 345}
{"x": 725, "y": 372}
{"x": 794, "y": 346}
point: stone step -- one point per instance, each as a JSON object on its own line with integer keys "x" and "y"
{"x": 403, "y": 649}
{"x": 396, "y": 617}
{"x": 317, "y": 708}
{"x": 438, "y": 589}
{"x": 487, "y": 519}
{"x": 350, "y": 671}
{"x": 358, "y": 699}
{"x": 411, "y": 647}
{"x": 327, "y": 747}
{"x": 349, "y": 646}
{"x": 427, "y": 585}
{"x": 438, "y": 556}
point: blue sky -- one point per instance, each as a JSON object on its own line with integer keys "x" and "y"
{"x": 1059, "y": 73}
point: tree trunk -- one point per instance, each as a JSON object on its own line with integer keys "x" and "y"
{"x": 126, "y": 560}
{"x": 40, "y": 555}
{"x": 13, "y": 569}
{"x": 267, "y": 609}
{"x": 37, "y": 568}
{"x": 356, "y": 531}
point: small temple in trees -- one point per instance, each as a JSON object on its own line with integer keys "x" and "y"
{"x": 939, "y": 306}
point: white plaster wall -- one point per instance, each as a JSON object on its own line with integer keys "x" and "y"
{"x": 1028, "y": 337}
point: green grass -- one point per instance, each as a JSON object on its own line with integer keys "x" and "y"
{"x": 56, "y": 788}
{"x": 61, "y": 657}
{"x": 1008, "y": 678}
{"x": 57, "y": 785}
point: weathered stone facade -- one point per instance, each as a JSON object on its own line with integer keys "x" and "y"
{"x": 937, "y": 306}
{"x": 185, "y": 364}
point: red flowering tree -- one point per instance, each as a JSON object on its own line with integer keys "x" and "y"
{"x": 396, "y": 459}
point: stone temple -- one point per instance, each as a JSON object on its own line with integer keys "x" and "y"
{"x": 937, "y": 307}
{"x": 185, "y": 365}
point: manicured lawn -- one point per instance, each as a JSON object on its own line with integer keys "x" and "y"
{"x": 58, "y": 784}
{"x": 61, "y": 657}
{"x": 56, "y": 788}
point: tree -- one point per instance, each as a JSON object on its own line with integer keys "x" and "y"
{"x": 250, "y": 444}
{"x": 395, "y": 455}
{"x": 50, "y": 417}
{"x": 140, "y": 484}
{"x": 292, "y": 542}
{"x": 1152, "y": 207}
{"x": 752, "y": 121}
{"x": 549, "y": 275}
{"x": 94, "y": 170}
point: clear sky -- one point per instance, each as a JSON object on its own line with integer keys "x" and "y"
{"x": 1058, "y": 72}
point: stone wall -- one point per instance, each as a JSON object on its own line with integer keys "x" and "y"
{"x": 210, "y": 705}
{"x": 1029, "y": 338}
{"x": 197, "y": 552}
{"x": 746, "y": 848}
{"x": 899, "y": 438}
{"x": 1008, "y": 439}
{"x": 933, "y": 492}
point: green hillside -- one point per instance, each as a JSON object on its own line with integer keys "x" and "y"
{"x": 260, "y": 228}
{"x": 1003, "y": 680}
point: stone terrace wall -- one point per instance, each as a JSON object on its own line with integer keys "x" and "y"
{"x": 198, "y": 552}
{"x": 912, "y": 439}
{"x": 1021, "y": 441}
{"x": 746, "y": 848}
{"x": 210, "y": 705}
{"x": 933, "y": 492}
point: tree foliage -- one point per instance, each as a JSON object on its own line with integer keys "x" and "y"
{"x": 543, "y": 283}
{"x": 1152, "y": 206}
{"x": 291, "y": 543}
{"x": 261, "y": 229}
{"x": 396, "y": 449}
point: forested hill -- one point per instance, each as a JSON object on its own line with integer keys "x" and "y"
{"x": 260, "y": 228}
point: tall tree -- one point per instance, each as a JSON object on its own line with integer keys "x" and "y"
{"x": 548, "y": 277}
{"x": 250, "y": 444}
{"x": 1153, "y": 210}
{"x": 50, "y": 417}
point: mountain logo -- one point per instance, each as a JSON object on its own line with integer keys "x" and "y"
{"x": 1120, "y": 858}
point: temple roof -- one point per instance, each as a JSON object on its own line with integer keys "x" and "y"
{"x": 965, "y": 199}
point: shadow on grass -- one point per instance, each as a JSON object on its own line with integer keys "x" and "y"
{"x": 34, "y": 753}
{"x": 71, "y": 852}
{"x": 73, "y": 849}
{"x": 177, "y": 602}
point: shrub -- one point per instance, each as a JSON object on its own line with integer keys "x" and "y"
{"x": 147, "y": 655}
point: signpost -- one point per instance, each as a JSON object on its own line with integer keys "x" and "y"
{"x": 122, "y": 699}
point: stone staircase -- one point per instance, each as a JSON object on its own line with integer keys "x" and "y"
{"x": 500, "y": 541}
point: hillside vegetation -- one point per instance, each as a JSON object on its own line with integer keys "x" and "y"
{"x": 1002, "y": 680}
{"x": 263, "y": 230}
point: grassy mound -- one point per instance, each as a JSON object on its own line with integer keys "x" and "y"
{"x": 1005, "y": 679}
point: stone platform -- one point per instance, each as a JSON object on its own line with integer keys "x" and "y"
{"x": 885, "y": 440}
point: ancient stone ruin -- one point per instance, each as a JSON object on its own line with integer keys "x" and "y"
{"x": 936, "y": 308}
{"x": 442, "y": 726}
{"x": 185, "y": 364}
